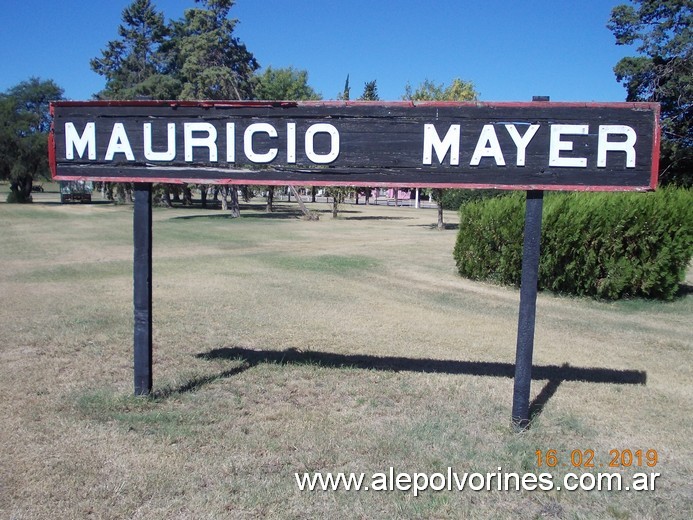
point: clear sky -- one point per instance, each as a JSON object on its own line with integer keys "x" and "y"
{"x": 511, "y": 50}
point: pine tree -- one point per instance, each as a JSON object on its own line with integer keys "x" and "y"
{"x": 135, "y": 65}
{"x": 210, "y": 61}
{"x": 370, "y": 91}
{"x": 662, "y": 72}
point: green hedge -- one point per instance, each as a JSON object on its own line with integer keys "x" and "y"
{"x": 453, "y": 199}
{"x": 604, "y": 245}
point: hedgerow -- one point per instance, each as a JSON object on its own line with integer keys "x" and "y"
{"x": 603, "y": 245}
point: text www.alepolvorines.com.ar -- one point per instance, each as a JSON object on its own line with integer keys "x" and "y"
{"x": 492, "y": 481}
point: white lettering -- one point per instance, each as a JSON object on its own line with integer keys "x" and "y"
{"x": 487, "y": 146}
{"x": 290, "y": 142}
{"x": 248, "y": 143}
{"x": 326, "y": 128}
{"x": 604, "y": 145}
{"x": 208, "y": 142}
{"x": 521, "y": 142}
{"x": 119, "y": 143}
{"x": 557, "y": 146}
{"x": 170, "y": 152}
{"x": 231, "y": 142}
{"x": 86, "y": 141}
{"x": 450, "y": 142}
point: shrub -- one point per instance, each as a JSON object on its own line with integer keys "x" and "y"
{"x": 453, "y": 199}
{"x": 489, "y": 245}
{"x": 604, "y": 245}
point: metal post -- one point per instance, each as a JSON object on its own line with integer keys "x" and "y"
{"x": 528, "y": 307}
{"x": 142, "y": 278}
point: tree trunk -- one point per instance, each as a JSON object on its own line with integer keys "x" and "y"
{"x": 235, "y": 207}
{"x": 224, "y": 200}
{"x": 120, "y": 193}
{"x": 308, "y": 214}
{"x": 270, "y": 199}
{"x": 21, "y": 187}
{"x": 167, "y": 196}
{"x": 187, "y": 195}
{"x": 441, "y": 224}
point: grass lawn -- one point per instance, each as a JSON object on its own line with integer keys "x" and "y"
{"x": 285, "y": 346}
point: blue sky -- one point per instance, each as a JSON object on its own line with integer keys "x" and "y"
{"x": 510, "y": 50}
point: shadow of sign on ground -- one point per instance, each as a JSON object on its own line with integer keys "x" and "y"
{"x": 553, "y": 374}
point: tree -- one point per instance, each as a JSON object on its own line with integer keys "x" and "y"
{"x": 284, "y": 84}
{"x": 370, "y": 93}
{"x": 458, "y": 90}
{"x": 344, "y": 94}
{"x": 137, "y": 64}
{"x": 210, "y": 61}
{"x": 287, "y": 84}
{"x": 24, "y": 125}
{"x": 339, "y": 193}
{"x": 662, "y": 72}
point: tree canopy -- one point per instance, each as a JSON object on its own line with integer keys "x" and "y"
{"x": 458, "y": 90}
{"x": 196, "y": 57}
{"x": 661, "y": 72}
{"x": 211, "y": 61}
{"x": 137, "y": 63}
{"x": 24, "y": 125}
{"x": 284, "y": 84}
{"x": 370, "y": 91}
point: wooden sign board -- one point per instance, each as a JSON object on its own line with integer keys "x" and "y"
{"x": 524, "y": 146}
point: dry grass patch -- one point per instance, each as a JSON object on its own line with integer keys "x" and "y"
{"x": 284, "y": 346}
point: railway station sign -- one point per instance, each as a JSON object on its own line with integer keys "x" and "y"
{"x": 525, "y": 146}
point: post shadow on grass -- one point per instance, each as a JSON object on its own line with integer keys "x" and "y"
{"x": 554, "y": 374}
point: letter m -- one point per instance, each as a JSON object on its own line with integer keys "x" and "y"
{"x": 450, "y": 142}
{"x": 74, "y": 141}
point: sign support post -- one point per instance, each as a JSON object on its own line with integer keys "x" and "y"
{"x": 142, "y": 287}
{"x": 528, "y": 309}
